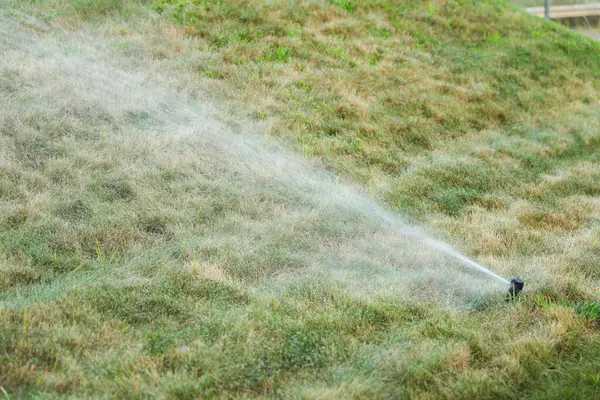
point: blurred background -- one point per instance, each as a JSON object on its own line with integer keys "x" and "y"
{"x": 588, "y": 25}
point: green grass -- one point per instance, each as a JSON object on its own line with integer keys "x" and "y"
{"x": 142, "y": 258}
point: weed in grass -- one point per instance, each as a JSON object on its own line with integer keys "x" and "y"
{"x": 277, "y": 53}
{"x": 587, "y": 308}
{"x": 348, "y": 5}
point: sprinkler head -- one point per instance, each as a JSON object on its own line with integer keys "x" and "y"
{"x": 516, "y": 285}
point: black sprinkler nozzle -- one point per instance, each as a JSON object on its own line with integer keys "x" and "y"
{"x": 516, "y": 285}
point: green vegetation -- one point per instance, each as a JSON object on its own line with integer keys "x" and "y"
{"x": 136, "y": 260}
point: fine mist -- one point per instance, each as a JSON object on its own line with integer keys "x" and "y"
{"x": 210, "y": 194}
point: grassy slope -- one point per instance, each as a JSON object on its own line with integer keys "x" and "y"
{"x": 471, "y": 117}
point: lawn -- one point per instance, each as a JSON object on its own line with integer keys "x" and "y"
{"x": 218, "y": 199}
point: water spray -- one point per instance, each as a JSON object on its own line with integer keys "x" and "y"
{"x": 248, "y": 158}
{"x": 515, "y": 284}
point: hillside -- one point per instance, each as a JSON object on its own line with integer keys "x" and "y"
{"x": 218, "y": 198}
